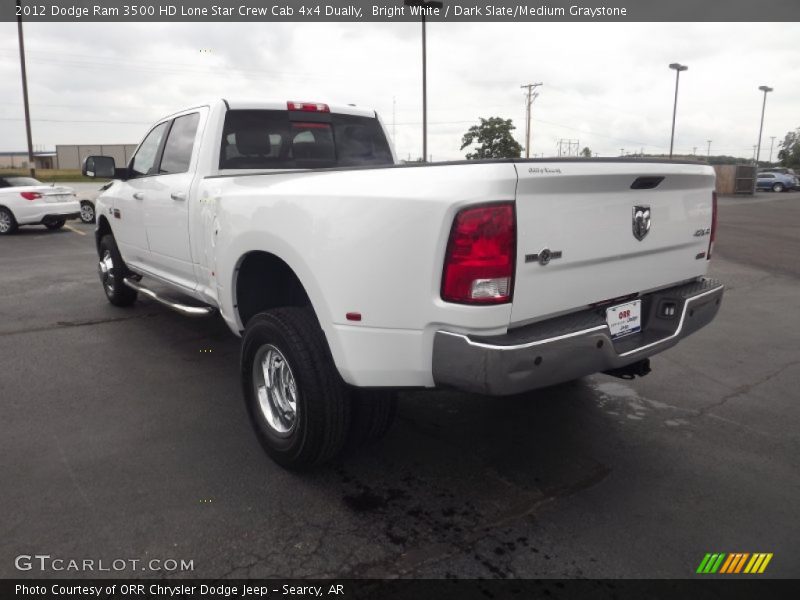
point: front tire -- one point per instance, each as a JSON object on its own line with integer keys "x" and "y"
{"x": 112, "y": 271}
{"x": 8, "y": 224}
{"x": 298, "y": 404}
{"x": 87, "y": 211}
{"x": 778, "y": 187}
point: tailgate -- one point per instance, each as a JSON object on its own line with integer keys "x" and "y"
{"x": 586, "y": 211}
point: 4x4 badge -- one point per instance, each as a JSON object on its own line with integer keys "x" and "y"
{"x": 641, "y": 222}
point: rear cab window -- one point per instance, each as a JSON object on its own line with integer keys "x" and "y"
{"x": 280, "y": 139}
{"x": 180, "y": 143}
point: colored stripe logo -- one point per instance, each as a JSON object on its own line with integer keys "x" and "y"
{"x": 734, "y": 563}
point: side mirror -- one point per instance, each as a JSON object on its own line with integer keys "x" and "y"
{"x": 99, "y": 166}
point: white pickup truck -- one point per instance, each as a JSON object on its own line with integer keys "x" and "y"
{"x": 349, "y": 276}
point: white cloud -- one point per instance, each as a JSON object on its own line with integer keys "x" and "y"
{"x": 607, "y": 85}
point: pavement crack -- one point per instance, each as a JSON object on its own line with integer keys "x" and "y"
{"x": 69, "y": 324}
{"x": 744, "y": 389}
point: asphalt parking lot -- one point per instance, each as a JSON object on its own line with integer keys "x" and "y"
{"x": 123, "y": 435}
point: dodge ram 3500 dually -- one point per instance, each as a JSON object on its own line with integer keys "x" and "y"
{"x": 349, "y": 276}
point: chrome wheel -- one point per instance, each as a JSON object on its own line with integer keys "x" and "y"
{"x": 5, "y": 222}
{"x": 275, "y": 389}
{"x": 87, "y": 212}
{"x": 105, "y": 268}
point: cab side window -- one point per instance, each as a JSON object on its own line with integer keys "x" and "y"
{"x": 180, "y": 142}
{"x": 144, "y": 160}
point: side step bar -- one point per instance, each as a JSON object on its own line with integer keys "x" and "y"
{"x": 184, "y": 309}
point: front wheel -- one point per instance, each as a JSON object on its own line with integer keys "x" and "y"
{"x": 298, "y": 404}
{"x": 778, "y": 187}
{"x": 87, "y": 211}
{"x": 112, "y": 271}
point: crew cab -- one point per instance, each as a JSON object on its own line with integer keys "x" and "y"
{"x": 349, "y": 276}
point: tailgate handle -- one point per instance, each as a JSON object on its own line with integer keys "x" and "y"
{"x": 646, "y": 183}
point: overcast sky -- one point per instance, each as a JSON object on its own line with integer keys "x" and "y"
{"x": 607, "y": 85}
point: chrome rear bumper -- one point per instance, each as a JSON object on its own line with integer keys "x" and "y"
{"x": 571, "y": 346}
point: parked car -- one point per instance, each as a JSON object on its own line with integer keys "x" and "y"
{"x": 349, "y": 276}
{"x": 783, "y": 170}
{"x": 87, "y": 206}
{"x": 777, "y": 182}
{"x": 27, "y": 201}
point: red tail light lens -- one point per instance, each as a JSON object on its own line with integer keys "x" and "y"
{"x": 713, "y": 235}
{"x": 308, "y": 106}
{"x": 481, "y": 252}
{"x": 30, "y": 195}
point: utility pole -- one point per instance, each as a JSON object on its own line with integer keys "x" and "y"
{"x": 31, "y": 165}
{"x": 694, "y": 150}
{"x": 531, "y": 96}
{"x": 708, "y": 152}
{"x": 771, "y": 142}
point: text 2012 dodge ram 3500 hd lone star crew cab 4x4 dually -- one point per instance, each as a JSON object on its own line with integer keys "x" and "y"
{"x": 349, "y": 276}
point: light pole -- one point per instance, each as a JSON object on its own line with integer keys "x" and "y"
{"x": 766, "y": 89}
{"x": 771, "y": 142}
{"x": 425, "y": 6}
{"x": 708, "y": 152}
{"x": 678, "y": 68}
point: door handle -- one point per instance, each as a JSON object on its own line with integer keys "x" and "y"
{"x": 178, "y": 196}
{"x": 138, "y": 195}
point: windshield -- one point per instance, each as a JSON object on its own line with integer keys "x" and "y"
{"x": 274, "y": 139}
{"x": 21, "y": 181}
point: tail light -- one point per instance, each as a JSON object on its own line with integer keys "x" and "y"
{"x": 481, "y": 253}
{"x": 713, "y": 235}
{"x": 30, "y": 195}
{"x": 308, "y": 106}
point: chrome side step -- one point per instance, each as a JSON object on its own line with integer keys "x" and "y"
{"x": 184, "y": 309}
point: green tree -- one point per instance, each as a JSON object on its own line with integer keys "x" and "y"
{"x": 493, "y": 138}
{"x": 789, "y": 155}
{"x": 586, "y": 152}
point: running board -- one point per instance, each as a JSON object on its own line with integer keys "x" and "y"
{"x": 184, "y": 309}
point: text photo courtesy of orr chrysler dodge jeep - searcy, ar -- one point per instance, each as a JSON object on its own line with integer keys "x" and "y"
{"x": 349, "y": 276}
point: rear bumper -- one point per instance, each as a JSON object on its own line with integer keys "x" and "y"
{"x": 571, "y": 346}
{"x": 45, "y": 212}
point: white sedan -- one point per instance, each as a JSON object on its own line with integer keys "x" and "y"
{"x": 27, "y": 201}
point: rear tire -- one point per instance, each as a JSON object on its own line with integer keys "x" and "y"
{"x": 8, "y": 224}
{"x": 298, "y": 404}
{"x": 53, "y": 225}
{"x": 778, "y": 187}
{"x": 374, "y": 412}
{"x": 87, "y": 211}
{"x": 112, "y": 271}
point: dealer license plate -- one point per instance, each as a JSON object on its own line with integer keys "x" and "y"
{"x": 624, "y": 319}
